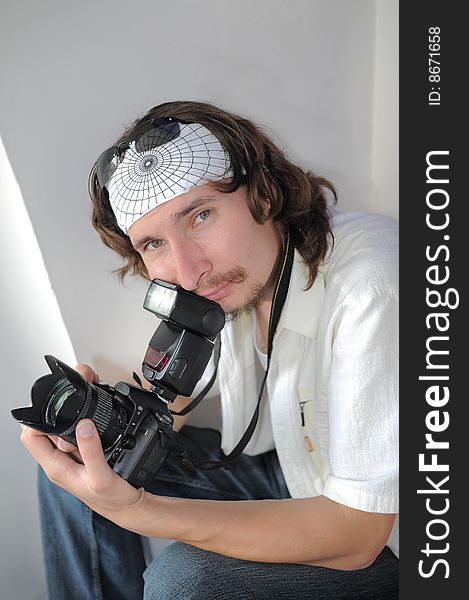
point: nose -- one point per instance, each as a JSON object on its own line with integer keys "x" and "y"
{"x": 185, "y": 264}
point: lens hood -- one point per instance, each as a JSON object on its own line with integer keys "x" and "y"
{"x": 42, "y": 395}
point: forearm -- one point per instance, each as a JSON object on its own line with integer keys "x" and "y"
{"x": 315, "y": 531}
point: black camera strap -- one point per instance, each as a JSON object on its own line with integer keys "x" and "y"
{"x": 279, "y": 297}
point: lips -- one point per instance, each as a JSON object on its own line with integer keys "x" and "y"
{"x": 218, "y": 293}
{"x": 223, "y": 284}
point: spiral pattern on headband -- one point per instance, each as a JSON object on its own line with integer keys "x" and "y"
{"x": 146, "y": 179}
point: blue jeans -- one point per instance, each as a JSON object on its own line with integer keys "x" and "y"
{"x": 89, "y": 558}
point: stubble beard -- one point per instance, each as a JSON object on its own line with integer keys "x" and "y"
{"x": 256, "y": 294}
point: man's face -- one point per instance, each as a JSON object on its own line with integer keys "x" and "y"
{"x": 207, "y": 242}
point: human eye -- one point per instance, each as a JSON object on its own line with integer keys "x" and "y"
{"x": 203, "y": 215}
{"x": 153, "y": 245}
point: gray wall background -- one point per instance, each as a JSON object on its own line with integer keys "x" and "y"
{"x": 319, "y": 75}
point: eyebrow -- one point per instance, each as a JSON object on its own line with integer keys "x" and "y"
{"x": 191, "y": 206}
{"x": 195, "y": 203}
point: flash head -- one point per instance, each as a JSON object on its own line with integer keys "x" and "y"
{"x": 172, "y": 303}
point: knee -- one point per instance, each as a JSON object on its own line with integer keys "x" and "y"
{"x": 180, "y": 572}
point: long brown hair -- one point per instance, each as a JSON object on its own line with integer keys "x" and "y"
{"x": 298, "y": 198}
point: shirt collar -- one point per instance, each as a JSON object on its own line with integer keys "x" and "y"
{"x": 303, "y": 307}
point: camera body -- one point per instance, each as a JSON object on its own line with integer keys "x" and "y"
{"x": 138, "y": 454}
{"x": 134, "y": 424}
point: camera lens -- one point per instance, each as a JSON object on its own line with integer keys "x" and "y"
{"x": 67, "y": 398}
{"x": 62, "y": 398}
{"x": 60, "y": 393}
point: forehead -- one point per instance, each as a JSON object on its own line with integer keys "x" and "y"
{"x": 173, "y": 212}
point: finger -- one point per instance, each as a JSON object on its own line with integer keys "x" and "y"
{"x": 91, "y": 452}
{"x": 70, "y": 449}
{"x": 87, "y": 373}
{"x": 57, "y": 441}
{"x": 107, "y": 493}
{"x": 54, "y": 462}
{"x": 28, "y": 433}
{"x": 65, "y": 446}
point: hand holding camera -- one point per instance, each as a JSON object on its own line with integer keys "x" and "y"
{"x": 134, "y": 425}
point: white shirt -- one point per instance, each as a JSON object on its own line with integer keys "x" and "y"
{"x": 335, "y": 359}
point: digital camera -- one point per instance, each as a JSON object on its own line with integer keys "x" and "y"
{"x": 134, "y": 424}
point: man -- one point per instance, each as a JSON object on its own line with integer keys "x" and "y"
{"x": 202, "y": 198}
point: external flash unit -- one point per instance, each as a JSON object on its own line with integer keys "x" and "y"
{"x": 172, "y": 303}
{"x": 183, "y": 342}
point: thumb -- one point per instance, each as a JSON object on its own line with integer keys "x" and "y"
{"x": 91, "y": 450}
{"x": 86, "y": 429}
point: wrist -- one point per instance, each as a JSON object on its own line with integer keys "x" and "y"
{"x": 132, "y": 515}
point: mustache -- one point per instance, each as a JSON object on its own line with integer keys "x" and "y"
{"x": 235, "y": 275}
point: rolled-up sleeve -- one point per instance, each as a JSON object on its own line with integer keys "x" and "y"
{"x": 362, "y": 399}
